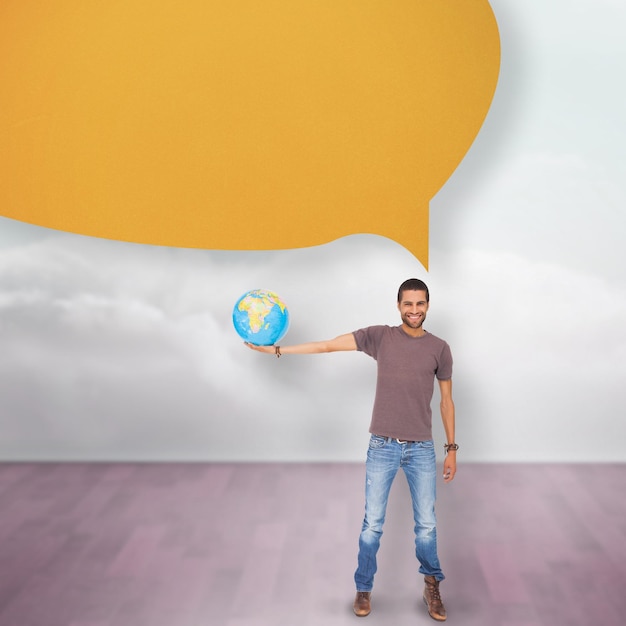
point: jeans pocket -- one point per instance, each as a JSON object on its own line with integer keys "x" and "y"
{"x": 377, "y": 442}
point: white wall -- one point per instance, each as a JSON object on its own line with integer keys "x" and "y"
{"x": 115, "y": 351}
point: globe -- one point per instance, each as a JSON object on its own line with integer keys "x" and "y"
{"x": 260, "y": 317}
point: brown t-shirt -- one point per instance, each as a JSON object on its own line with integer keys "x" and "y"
{"x": 407, "y": 367}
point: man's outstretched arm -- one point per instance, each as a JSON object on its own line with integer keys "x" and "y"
{"x": 338, "y": 344}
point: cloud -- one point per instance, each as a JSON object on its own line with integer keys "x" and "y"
{"x": 115, "y": 350}
{"x": 539, "y": 358}
{"x": 118, "y": 351}
{"x": 561, "y": 208}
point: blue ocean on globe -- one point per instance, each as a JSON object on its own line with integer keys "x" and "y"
{"x": 261, "y": 317}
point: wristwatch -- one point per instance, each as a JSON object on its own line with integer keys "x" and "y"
{"x": 451, "y": 446}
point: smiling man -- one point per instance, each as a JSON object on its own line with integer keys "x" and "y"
{"x": 409, "y": 359}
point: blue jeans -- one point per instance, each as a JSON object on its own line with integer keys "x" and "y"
{"x": 384, "y": 457}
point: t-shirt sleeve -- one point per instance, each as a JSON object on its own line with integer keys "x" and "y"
{"x": 368, "y": 340}
{"x": 444, "y": 365}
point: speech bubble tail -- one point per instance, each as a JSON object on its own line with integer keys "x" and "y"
{"x": 409, "y": 228}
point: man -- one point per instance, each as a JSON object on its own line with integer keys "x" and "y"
{"x": 409, "y": 359}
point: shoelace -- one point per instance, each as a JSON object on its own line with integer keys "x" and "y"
{"x": 434, "y": 590}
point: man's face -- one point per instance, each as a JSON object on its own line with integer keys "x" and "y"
{"x": 413, "y": 308}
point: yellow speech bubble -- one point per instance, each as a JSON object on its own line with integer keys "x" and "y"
{"x": 239, "y": 124}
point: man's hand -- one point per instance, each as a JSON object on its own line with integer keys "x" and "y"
{"x": 449, "y": 466}
{"x": 265, "y": 349}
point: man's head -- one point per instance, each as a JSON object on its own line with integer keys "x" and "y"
{"x": 413, "y": 284}
{"x": 413, "y": 298}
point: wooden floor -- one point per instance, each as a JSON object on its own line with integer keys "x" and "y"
{"x": 275, "y": 544}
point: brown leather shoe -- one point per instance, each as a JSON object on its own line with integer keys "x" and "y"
{"x": 361, "y": 604}
{"x": 433, "y": 600}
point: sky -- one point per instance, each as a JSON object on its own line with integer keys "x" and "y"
{"x": 121, "y": 351}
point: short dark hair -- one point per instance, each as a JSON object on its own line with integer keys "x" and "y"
{"x": 413, "y": 284}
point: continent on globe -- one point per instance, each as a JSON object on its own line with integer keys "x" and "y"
{"x": 261, "y": 317}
